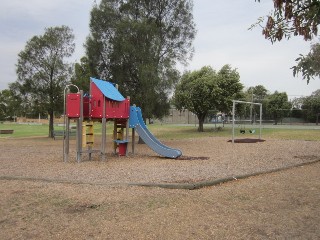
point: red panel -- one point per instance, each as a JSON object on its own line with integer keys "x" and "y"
{"x": 116, "y": 109}
{"x": 73, "y": 105}
{"x": 96, "y": 101}
{"x": 86, "y": 102}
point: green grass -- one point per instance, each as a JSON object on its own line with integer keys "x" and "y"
{"x": 190, "y": 131}
{"x": 292, "y": 134}
{"x": 173, "y": 131}
{"x": 24, "y": 130}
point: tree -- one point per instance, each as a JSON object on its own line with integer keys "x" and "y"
{"x": 295, "y": 18}
{"x": 228, "y": 80}
{"x": 278, "y": 105}
{"x": 9, "y": 105}
{"x": 204, "y": 90}
{"x": 198, "y": 92}
{"x": 311, "y": 106}
{"x": 42, "y": 71}
{"x": 298, "y": 18}
{"x": 82, "y": 74}
{"x": 309, "y": 65}
{"x": 137, "y": 43}
{"x": 257, "y": 93}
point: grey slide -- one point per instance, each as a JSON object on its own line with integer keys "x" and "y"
{"x": 149, "y": 138}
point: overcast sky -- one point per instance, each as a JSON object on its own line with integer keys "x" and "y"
{"x": 222, "y": 38}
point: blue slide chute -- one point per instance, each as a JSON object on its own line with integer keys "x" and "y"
{"x": 136, "y": 122}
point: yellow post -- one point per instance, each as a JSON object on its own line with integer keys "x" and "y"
{"x": 84, "y": 134}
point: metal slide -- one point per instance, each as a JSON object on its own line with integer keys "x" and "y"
{"x": 136, "y": 121}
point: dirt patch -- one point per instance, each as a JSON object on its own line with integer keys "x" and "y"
{"x": 44, "y": 198}
{"x": 191, "y": 158}
{"x": 79, "y": 208}
{"x": 308, "y": 157}
{"x": 247, "y": 140}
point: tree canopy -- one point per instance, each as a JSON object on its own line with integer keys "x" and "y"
{"x": 9, "y": 105}
{"x": 203, "y": 90}
{"x": 137, "y": 43}
{"x": 256, "y": 93}
{"x": 292, "y": 17}
{"x": 295, "y": 18}
{"x": 82, "y": 74}
{"x": 278, "y": 105}
{"x": 228, "y": 80}
{"x": 311, "y": 106}
{"x": 309, "y": 65}
{"x": 42, "y": 70}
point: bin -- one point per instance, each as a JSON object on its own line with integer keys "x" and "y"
{"x": 122, "y": 145}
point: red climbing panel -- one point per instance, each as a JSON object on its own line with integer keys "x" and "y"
{"x": 73, "y": 105}
{"x": 116, "y": 109}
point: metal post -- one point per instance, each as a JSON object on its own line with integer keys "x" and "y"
{"x": 66, "y": 121}
{"x": 127, "y": 129}
{"x": 260, "y": 120}
{"x": 233, "y": 113}
{"x": 66, "y": 140}
{"x": 79, "y": 140}
{"x": 66, "y": 124}
{"x": 104, "y": 131}
{"x": 89, "y": 146}
{"x": 133, "y": 140}
{"x": 127, "y": 136}
{"x": 103, "y": 139}
{"x": 115, "y": 136}
{"x": 65, "y": 137}
{"x": 79, "y": 129}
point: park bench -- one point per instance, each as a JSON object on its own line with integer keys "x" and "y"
{"x": 60, "y": 133}
{"x": 6, "y": 131}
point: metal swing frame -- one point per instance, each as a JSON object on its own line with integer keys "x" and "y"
{"x": 233, "y": 114}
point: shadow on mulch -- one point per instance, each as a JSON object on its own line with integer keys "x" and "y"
{"x": 191, "y": 158}
{"x": 247, "y": 140}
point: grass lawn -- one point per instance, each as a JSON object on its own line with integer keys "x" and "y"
{"x": 174, "y": 131}
{"x": 24, "y": 130}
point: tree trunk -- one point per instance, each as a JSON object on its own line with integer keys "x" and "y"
{"x": 275, "y": 117}
{"x": 201, "y": 121}
{"x": 51, "y": 117}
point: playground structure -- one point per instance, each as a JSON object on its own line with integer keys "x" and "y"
{"x": 243, "y": 131}
{"x": 105, "y": 103}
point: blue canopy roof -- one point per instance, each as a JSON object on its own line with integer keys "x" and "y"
{"x": 108, "y": 89}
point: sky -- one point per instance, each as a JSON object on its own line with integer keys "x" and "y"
{"x": 222, "y": 38}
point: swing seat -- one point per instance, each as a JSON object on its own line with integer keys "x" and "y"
{"x": 242, "y": 131}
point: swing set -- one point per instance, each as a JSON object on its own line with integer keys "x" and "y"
{"x": 243, "y": 131}
{"x": 242, "y": 128}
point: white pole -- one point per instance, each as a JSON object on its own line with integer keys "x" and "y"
{"x": 260, "y": 120}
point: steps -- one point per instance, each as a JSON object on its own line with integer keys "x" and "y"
{"x": 87, "y": 134}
